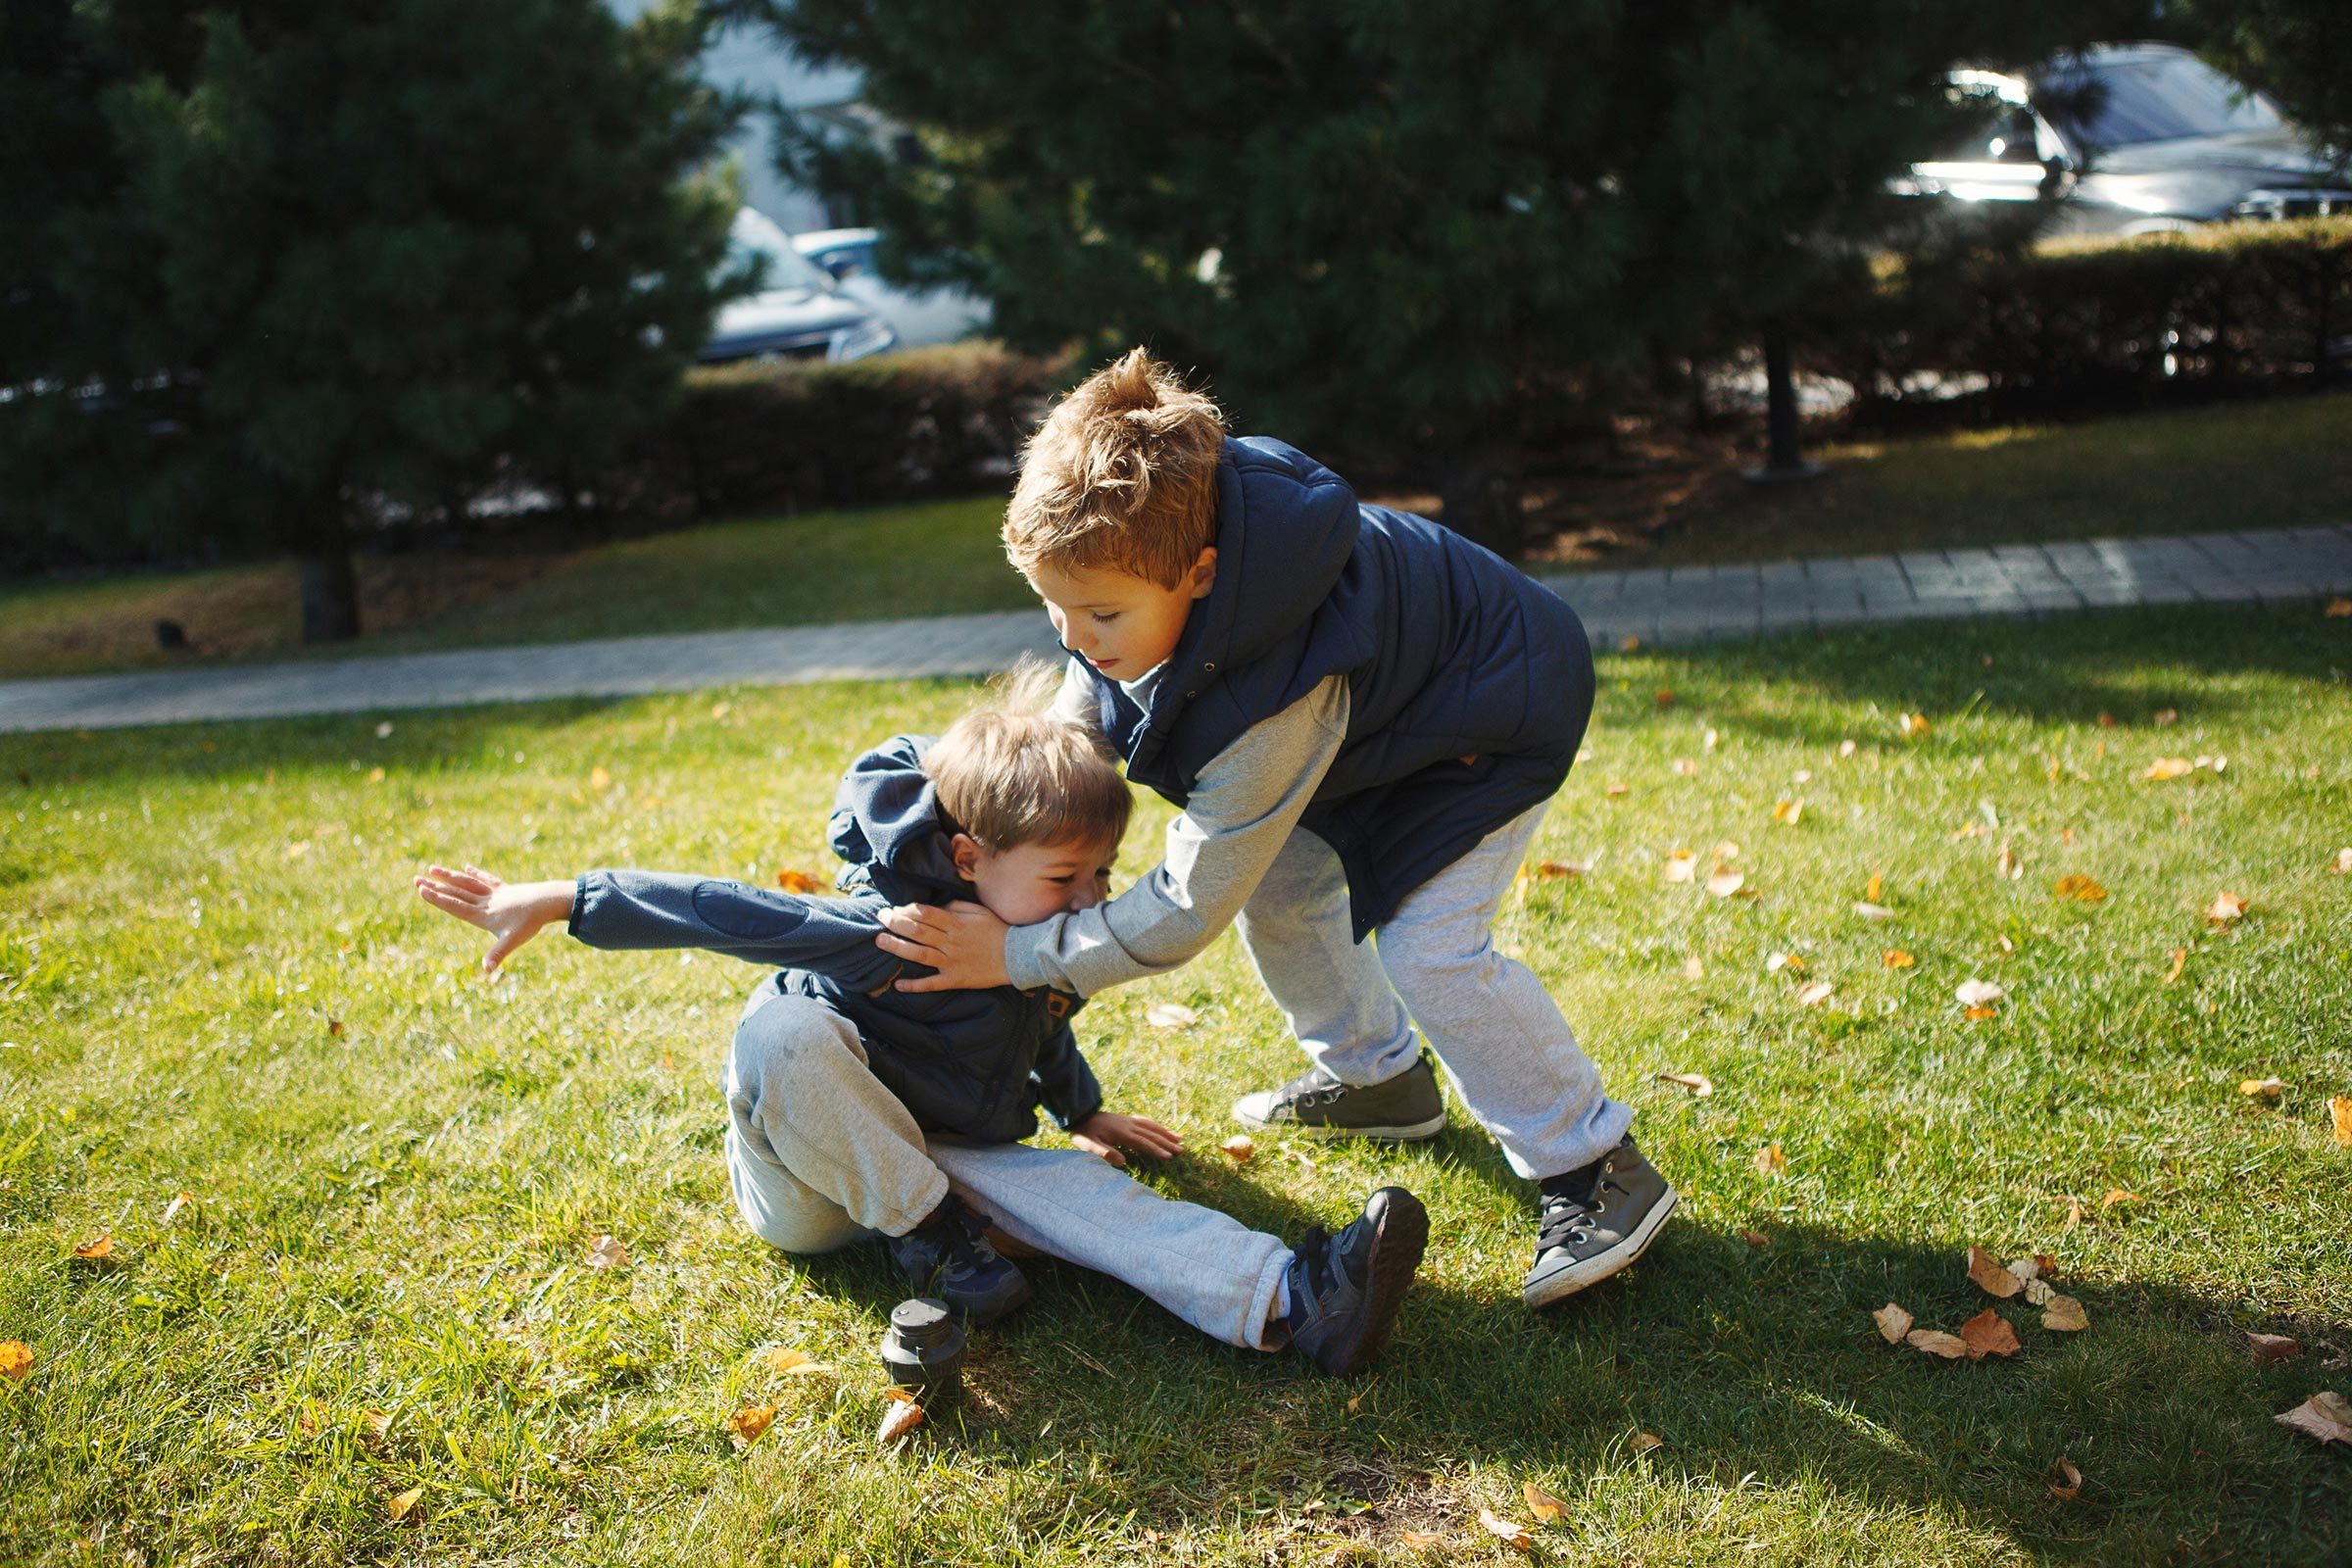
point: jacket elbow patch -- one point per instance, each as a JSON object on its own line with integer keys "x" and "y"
{"x": 722, "y": 907}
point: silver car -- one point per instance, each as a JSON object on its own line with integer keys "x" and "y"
{"x": 799, "y": 312}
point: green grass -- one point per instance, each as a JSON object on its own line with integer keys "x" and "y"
{"x": 217, "y": 982}
{"x": 2280, "y": 463}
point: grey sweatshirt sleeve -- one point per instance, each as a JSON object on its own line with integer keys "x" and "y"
{"x": 639, "y": 910}
{"x": 1249, "y": 799}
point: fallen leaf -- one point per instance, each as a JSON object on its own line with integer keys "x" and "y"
{"x": 375, "y": 775}
{"x": 172, "y": 1210}
{"x": 2340, "y": 1109}
{"x": 2326, "y": 1415}
{"x": 1870, "y": 893}
{"x": 2068, "y": 1483}
{"x": 721, "y": 709}
{"x": 1613, "y": 791}
{"x": 792, "y": 881}
{"x": 1911, "y": 725}
{"x": 1935, "y": 1342}
{"x": 1555, "y": 870}
{"x": 1989, "y": 1276}
{"x": 2115, "y": 1196}
{"x": 2040, "y": 1292}
{"x": 1803, "y": 776}
{"x": 900, "y": 1418}
{"x": 1989, "y": 1334}
{"x": 1708, "y": 742}
{"x": 1418, "y": 1539}
{"x": 1770, "y": 1161}
{"x": 2261, "y": 1088}
{"x": 1873, "y": 911}
{"x": 608, "y": 1253}
{"x": 1727, "y": 850}
{"x": 2179, "y": 962}
{"x": 2027, "y": 1269}
{"x": 782, "y": 1360}
{"x": 402, "y": 1506}
{"x": 1783, "y": 960}
{"x": 335, "y": 1028}
{"x": 2006, "y": 865}
{"x": 2165, "y": 715}
{"x": 2337, "y": 609}
{"x": 1814, "y": 995}
{"x": 1682, "y": 865}
{"x": 2045, "y": 1266}
{"x": 1755, "y": 1238}
{"x": 1665, "y": 698}
{"x": 1788, "y": 810}
{"x": 1543, "y": 1505}
{"x": 97, "y": 1249}
{"x": 2004, "y": 944}
{"x": 1509, "y": 1532}
{"x": 599, "y": 779}
{"x": 1699, "y": 1083}
{"x": 1893, "y": 1323}
{"x": 752, "y": 1420}
{"x": 1977, "y": 993}
{"x": 1692, "y": 969}
{"x": 1845, "y": 747}
{"x": 2079, "y": 888}
{"x": 1237, "y": 1147}
{"x": 1627, "y": 643}
{"x": 1897, "y": 959}
{"x": 2343, "y": 864}
{"x": 2074, "y": 1214}
{"x": 2225, "y": 908}
{"x": 1170, "y": 1016}
{"x": 2269, "y": 1348}
{"x": 1973, "y": 1014}
{"x": 1686, "y": 767}
{"x": 1726, "y": 882}
{"x": 2065, "y": 1315}
{"x": 298, "y": 848}
{"x": 1644, "y": 1442}
{"x": 15, "y": 1359}
{"x": 2165, "y": 767}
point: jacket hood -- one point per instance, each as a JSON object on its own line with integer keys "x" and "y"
{"x": 1285, "y": 526}
{"x": 887, "y": 824}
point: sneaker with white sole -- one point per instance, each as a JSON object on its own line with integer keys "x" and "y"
{"x": 1346, "y": 1289}
{"x": 1594, "y": 1222}
{"x": 1405, "y": 1109}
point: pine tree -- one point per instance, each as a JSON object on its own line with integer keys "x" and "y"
{"x": 2295, "y": 50}
{"x": 337, "y": 258}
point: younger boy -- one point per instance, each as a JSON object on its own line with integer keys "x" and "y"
{"x": 856, "y": 1108}
{"x": 1363, "y": 718}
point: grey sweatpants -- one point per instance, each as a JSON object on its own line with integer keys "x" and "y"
{"x": 821, "y": 1154}
{"x": 1511, "y": 1054}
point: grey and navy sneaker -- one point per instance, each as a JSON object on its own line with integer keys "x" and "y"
{"x": 1346, "y": 1289}
{"x": 1594, "y": 1222}
{"x": 1404, "y": 1109}
{"x": 948, "y": 1256}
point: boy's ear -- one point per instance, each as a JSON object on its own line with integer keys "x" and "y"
{"x": 1203, "y": 575}
{"x": 965, "y": 850}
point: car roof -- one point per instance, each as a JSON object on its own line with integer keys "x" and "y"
{"x": 820, "y": 239}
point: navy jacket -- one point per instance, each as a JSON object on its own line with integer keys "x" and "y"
{"x": 1469, "y": 685}
{"x": 976, "y": 1063}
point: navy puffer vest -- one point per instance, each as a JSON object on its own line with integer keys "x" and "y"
{"x": 1469, "y": 685}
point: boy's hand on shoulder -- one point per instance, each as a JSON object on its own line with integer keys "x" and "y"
{"x": 964, "y": 942}
{"x": 513, "y": 912}
{"x": 1106, "y": 1133}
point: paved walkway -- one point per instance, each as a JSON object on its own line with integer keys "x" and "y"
{"x": 1657, "y": 605}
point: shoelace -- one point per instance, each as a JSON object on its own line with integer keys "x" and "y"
{"x": 1566, "y": 1220}
{"x": 1315, "y": 1264}
{"x": 966, "y": 1241}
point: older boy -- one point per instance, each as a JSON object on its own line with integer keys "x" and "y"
{"x": 1363, "y": 718}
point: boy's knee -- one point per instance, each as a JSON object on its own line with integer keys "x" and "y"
{"x": 1427, "y": 971}
{"x": 788, "y": 1035}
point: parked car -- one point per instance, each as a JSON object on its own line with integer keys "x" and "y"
{"x": 935, "y": 315}
{"x": 2128, "y": 139}
{"x": 799, "y": 312}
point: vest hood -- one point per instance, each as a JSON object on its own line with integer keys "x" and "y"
{"x": 1285, "y": 526}
{"x": 887, "y": 824}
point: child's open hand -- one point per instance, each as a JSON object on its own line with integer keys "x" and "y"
{"x": 1106, "y": 1133}
{"x": 511, "y": 912}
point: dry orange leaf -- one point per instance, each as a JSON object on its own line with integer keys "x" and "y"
{"x": 402, "y": 1506}
{"x": 1614, "y": 791}
{"x": 792, "y": 881}
{"x": 2342, "y": 865}
{"x": 2165, "y": 715}
{"x": 15, "y": 1359}
{"x": 1755, "y": 1238}
{"x": 1814, "y": 995}
{"x": 1935, "y": 1342}
{"x": 172, "y": 1209}
{"x": 1418, "y": 1539}
{"x": 2261, "y": 1088}
{"x": 599, "y": 779}
{"x": 2326, "y": 1415}
{"x": 1989, "y": 1334}
{"x": 2006, "y": 865}
{"x": 1726, "y": 882}
{"x": 1509, "y": 1532}
{"x": 900, "y": 1418}
{"x": 1783, "y": 960}
{"x": 1991, "y": 1277}
{"x": 1699, "y": 1083}
{"x": 752, "y": 1420}
{"x": 1686, "y": 767}
{"x": 2337, "y": 609}
{"x": 1543, "y": 1505}
{"x": 375, "y": 775}
{"x": 1893, "y": 1323}
{"x": 1627, "y": 643}
{"x": 1682, "y": 865}
{"x": 97, "y": 1249}
{"x": 1555, "y": 870}
{"x": 1170, "y": 1016}
{"x": 1770, "y": 1161}
{"x": 2065, "y": 1315}
{"x": 1665, "y": 698}
{"x": 1911, "y": 725}
{"x": 2269, "y": 1348}
{"x": 2079, "y": 888}
{"x": 1237, "y": 1147}
{"x": 1786, "y": 810}
{"x": 1897, "y": 959}
{"x": 2179, "y": 962}
{"x": 2340, "y": 1109}
{"x": 2068, "y": 1485}
{"x": 1974, "y": 1014}
{"x": 1644, "y": 1442}
{"x": 2165, "y": 767}
{"x": 782, "y": 1360}
{"x": 2225, "y": 908}
{"x": 2115, "y": 1196}
{"x": 608, "y": 1253}
{"x": 1870, "y": 893}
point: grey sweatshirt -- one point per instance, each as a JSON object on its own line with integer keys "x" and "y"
{"x": 1248, "y": 800}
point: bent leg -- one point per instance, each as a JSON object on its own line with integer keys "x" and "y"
{"x": 1200, "y": 1264}
{"x": 1331, "y": 988}
{"x": 818, "y": 1152}
{"x": 1512, "y": 1055}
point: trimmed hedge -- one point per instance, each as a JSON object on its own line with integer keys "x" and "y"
{"x": 774, "y": 437}
{"x": 2087, "y": 324}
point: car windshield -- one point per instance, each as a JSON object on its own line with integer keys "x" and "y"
{"x": 2126, "y": 100}
{"x": 755, "y": 238}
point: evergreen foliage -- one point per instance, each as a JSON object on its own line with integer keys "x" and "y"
{"x": 2298, "y": 51}
{"x": 302, "y": 265}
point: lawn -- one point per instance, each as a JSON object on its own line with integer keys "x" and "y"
{"x": 2283, "y": 463}
{"x": 215, "y": 984}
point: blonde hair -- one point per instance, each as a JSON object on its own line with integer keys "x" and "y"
{"x": 1008, "y": 774}
{"x": 1122, "y": 476}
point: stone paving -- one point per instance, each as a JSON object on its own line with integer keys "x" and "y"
{"x": 1657, "y": 605}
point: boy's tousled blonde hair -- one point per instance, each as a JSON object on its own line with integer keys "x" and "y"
{"x": 1122, "y": 476}
{"x": 1009, "y": 774}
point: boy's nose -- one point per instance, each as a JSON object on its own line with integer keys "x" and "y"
{"x": 1085, "y": 898}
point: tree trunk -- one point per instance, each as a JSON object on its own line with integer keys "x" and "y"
{"x": 1781, "y": 455}
{"x": 1478, "y": 494}
{"x": 331, "y": 589}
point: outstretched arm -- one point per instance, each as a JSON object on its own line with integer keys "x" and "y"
{"x": 513, "y": 912}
